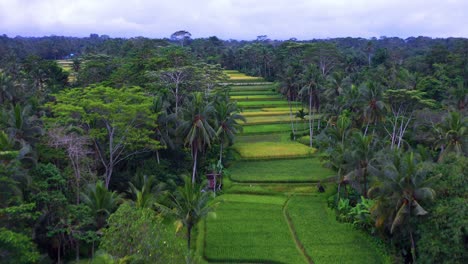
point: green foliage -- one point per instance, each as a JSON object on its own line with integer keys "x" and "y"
{"x": 443, "y": 232}
{"x": 101, "y": 201}
{"x": 137, "y": 235}
{"x": 17, "y": 248}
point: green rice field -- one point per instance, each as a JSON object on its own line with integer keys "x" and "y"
{"x": 286, "y": 170}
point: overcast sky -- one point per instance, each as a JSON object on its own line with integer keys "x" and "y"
{"x": 236, "y": 19}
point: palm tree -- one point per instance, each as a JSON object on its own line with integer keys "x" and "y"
{"x": 189, "y": 205}
{"x": 359, "y": 159}
{"x": 101, "y": 201}
{"x": 401, "y": 187}
{"x": 452, "y": 131}
{"x": 163, "y": 129}
{"x": 227, "y": 117}
{"x": 312, "y": 79}
{"x": 195, "y": 127}
{"x": 374, "y": 106}
{"x": 144, "y": 191}
{"x": 23, "y": 127}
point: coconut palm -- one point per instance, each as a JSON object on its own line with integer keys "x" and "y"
{"x": 399, "y": 191}
{"x": 101, "y": 201}
{"x": 227, "y": 117}
{"x": 374, "y": 106}
{"x": 453, "y": 134}
{"x": 359, "y": 160}
{"x": 312, "y": 79}
{"x": 144, "y": 190}
{"x": 189, "y": 205}
{"x": 196, "y": 128}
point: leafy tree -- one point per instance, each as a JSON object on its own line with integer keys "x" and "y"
{"x": 402, "y": 104}
{"x": 119, "y": 121}
{"x": 181, "y": 36}
{"x": 442, "y": 235}
{"x": 17, "y": 248}
{"x": 137, "y": 235}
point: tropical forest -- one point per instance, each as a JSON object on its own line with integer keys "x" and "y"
{"x": 206, "y": 150}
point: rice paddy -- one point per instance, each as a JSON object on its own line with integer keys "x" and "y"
{"x": 270, "y": 211}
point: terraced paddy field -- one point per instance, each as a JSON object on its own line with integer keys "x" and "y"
{"x": 262, "y": 104}
{"x": 271, "y": 128}
{"x": 250, "y": 229}
{"x": 275, "y": 171}
{"x": 272, "y": 150}
{"x": 241, "y": 98}
{"x": 327, "y": 241}
{"x": 270, "y": 210}
{"x": 258, "y": 92}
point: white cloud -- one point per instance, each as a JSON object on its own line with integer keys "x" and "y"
{"x": 241, "y": 19}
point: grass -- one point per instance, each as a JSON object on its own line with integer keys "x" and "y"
{"x": 325, "y": 239}
{"x": 272, "y": 150}
{"x": 256, "y": 120}
{"x": 250, "y": 228}
{"x": 271, "y": 128}
{"x": 292, "y": 170}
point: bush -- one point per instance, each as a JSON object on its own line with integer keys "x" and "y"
{"x": 139, "y": 236}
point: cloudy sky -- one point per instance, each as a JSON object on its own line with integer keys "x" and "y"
{"x": 236, "y": 19}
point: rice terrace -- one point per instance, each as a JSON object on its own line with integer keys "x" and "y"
{"x": 272, "y": 213}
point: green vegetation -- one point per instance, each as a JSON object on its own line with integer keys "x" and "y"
{"x": 292, "y": 170}
{"x": 269, "y": 128}
{"x": 256, "y": 230}
{"x": 95, "y": 150}
{"x": 272, "y": 150}
{"x": 327, "y": 241}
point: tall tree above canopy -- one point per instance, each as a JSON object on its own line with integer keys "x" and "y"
{"x": 119, "y": 121}
{"x": 181, "y": 36}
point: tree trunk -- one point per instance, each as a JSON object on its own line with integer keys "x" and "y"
{"x": 194, "y": 171}
{"x": 291, "y": 117}
{"x": 221, "y": 152}
{"x": 311, "y": 129}
{"x": 189, "y": 235}
{"x": 77, "y": 251}
{"x": 157, "y": 156}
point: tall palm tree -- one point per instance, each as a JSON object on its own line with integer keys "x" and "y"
{"x": 227, "y": 117}
{"x": 196, "y": 128}
{"x": 101, "y": 201}
{"x": 359, "y": 160}
{"x": 163, "y": 130}
{"x": 373, "y": 104}
{"x": 312, "y": 79}
{"x": 189, "y": 205}
{"x": 453, "y": 134}
{"x": 401, "y": 187}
